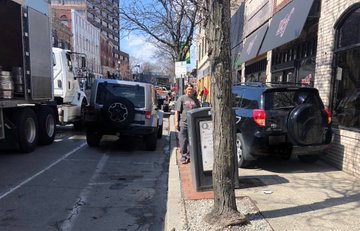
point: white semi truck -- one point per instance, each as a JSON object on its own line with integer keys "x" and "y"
{"x": 69, "y": 69}
{"x": 38, "y": 88}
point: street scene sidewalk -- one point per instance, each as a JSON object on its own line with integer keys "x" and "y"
{"x": 274, "y": 195}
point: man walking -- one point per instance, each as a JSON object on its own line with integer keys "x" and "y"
{"x": 185, "y": 103}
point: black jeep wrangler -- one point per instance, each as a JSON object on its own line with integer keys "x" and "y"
{"x": 279, "y": 119}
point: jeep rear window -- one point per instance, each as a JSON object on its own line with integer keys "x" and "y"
{"x": 134, "y": 93}
{"x": 287, "y": 99}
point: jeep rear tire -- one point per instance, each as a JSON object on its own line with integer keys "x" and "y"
{"x": 151, "y": 141}
{"x": 93, "y": 138}
{"x": 119, "y": 112}
{"x": 160, "y": 132}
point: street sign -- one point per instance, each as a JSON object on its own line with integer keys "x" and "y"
{"x": 180, "y": 69}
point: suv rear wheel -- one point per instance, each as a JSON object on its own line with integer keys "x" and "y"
{"x": 309, "y": 158}
{"x": 93, "y": 137}
{"x": 151, "y": 141}
{"x": 242, "y": 152}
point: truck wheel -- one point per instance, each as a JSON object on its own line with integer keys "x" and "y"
{"x": 47, "y": 125}
{"x": 151, "y": 141}
{"x": 80, "y": 124}
{"x": 93, "y": 138}
{"x": 27, "y": 129}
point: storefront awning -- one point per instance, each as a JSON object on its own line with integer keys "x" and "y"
{"x": 252, "y": 44}
{"x": 287, "y": 24}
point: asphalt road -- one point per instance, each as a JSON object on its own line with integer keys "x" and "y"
{"x": 70, "y": 186}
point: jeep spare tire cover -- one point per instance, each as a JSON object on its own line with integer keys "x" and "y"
{"x": 119, "y": 112}
{"x": 305, "y": 124}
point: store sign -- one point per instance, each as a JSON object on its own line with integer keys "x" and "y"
{"x": 284, "y": 23}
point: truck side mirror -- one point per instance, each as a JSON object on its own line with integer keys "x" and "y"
{"x": 83, "y": 63}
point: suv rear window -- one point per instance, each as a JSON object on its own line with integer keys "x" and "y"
{"x": 107, "y": 91}
{"x": 287, "y": 99}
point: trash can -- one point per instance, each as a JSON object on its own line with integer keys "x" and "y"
{"x": 200, "y": 131}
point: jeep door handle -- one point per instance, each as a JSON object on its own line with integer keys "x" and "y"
{"x": 238, "y": 118}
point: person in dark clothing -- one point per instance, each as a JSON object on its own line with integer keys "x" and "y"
{"x": 185, "y": 103}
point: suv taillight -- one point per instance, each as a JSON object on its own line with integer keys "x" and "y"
{"x": 328, "y": 115}
{"x": 148, "y": 115}
{"x": 258, "y": 116}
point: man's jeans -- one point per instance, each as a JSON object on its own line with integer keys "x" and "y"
{"x": 184, "y": 143}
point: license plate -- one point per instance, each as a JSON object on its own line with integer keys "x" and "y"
{"x": 277, "y": 139}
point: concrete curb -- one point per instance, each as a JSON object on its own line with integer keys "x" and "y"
{"x": 175, "y": 218}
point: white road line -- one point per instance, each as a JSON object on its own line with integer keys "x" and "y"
{"x": 75, "y": 212}
{"x": 41, "y": 172}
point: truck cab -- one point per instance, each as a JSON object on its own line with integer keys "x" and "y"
{"x": 69, "y": 69}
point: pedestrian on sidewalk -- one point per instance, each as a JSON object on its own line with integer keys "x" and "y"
{"x": 185, "y": 103}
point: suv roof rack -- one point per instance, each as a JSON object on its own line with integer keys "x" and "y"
{"x": 253, "y": 84}
{"x": 261, "y": 84}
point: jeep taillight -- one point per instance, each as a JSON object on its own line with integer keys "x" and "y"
{"x": 148, "y": 115}
{"x": 328, "y": 115}
{"x": 258, "y": 116}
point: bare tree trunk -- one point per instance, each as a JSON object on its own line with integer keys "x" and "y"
{"x": 224, "y": 212}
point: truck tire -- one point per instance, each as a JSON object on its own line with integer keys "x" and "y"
{"x": 80, "y": 124}
{"x": 27, "y": 129}
{"x": 151, "y": 141}
{"x": 47, "y": 125}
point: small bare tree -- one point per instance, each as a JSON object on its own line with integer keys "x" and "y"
{"x": 224, "y": 212}
{"x": 168, "y": 23}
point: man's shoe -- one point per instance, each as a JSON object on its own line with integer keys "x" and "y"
{"x": 185, "y": 160}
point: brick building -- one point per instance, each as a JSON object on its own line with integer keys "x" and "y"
{"x": 309, "y": 42}
{"x": 61, "y": 34}
{"x": 104, "y": 15}
{"x": 337, "y": 77}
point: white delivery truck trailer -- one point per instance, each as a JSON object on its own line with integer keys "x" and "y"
{"x": 28, "y": 113}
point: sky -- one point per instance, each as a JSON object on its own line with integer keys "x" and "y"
{"x": 136, "y": 46}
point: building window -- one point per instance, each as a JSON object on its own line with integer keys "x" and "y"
{"x": 64, "y": 20}
{"x": 346, "y": 101}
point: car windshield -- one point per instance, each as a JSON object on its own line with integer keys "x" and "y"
{"x": 287, "y": 98}
{"x": 134, "y": 93}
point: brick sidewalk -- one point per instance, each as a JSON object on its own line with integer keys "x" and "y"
{"x": 187, "y": 186}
